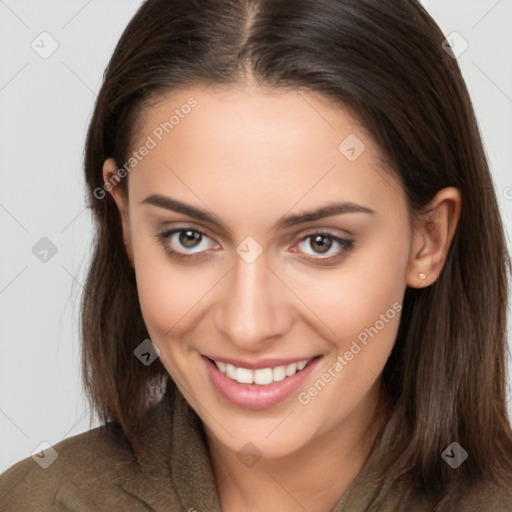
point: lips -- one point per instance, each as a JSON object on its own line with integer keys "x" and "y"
{"x": 257, "y": 385}
{"x": 260, "y": 376}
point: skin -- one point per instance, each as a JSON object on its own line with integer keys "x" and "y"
{"x": 251, "y": 156}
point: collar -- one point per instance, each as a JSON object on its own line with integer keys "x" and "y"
{"x": 173, "y": 471}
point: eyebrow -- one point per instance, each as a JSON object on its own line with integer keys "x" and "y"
{"x": 329, "y": 210}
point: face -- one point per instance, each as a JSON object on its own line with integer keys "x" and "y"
{"x": 271, "y": 246}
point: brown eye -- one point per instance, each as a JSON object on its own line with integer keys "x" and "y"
{"x": 323, "y": 248}
{"x": 321, "y": 243}
{"x": 187, "y": 243}
{"x": 190, "y": 238}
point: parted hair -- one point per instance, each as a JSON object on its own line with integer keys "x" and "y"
{"x": 445, "y": 380}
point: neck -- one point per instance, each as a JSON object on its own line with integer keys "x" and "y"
{"x": 312, "y": 478}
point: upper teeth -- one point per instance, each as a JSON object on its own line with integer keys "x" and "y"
{"x": 262, "y": 376}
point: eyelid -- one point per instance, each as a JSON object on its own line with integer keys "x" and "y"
{"x": 325, "y": 230}
{"x": 347, "y": 244}
{"x": 176, "y": 229}
{"x": 163, "y": 236}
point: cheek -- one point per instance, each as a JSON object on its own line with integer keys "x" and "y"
{"x": 354, "y": 296}
{"x": 359, "y": 306}
{"x": 169, "y": 293}
{"x": 363, "y": 320}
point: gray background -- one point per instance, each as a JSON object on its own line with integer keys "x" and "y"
{"x": 45, "y": 105}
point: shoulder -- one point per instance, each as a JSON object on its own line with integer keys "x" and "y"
{"x": 98, "y": 470}
{"x": 486, "y": 496}
{"x": 482, "y": 497}
{"x": 74, "y": 474}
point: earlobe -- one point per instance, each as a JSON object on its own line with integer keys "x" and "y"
{"x": 121, "y": 200}
{"x": 432, "y": 238}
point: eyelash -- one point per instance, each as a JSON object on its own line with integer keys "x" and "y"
{"x": 164, "y": 237}
{"x": 347, "y": 246}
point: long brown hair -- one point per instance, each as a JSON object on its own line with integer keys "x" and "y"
{"x": 445, "y": 380}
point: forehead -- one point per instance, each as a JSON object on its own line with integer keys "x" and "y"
{"x": 273, "y": 119}
{"x": 245, "y": 145}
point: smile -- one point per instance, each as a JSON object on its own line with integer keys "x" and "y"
{"x": 266, "y": 384}
{"x": 261, "y": 376}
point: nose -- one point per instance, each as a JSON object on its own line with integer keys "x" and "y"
{"x": 252, "y": 311}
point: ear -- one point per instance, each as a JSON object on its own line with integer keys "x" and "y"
{"x": 433, "y": 233}
{"x": 121, "y": 200}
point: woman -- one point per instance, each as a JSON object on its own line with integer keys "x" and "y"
{"x": 298, "y": 245}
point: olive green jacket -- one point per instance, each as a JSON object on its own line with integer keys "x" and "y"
{"x": 97, "y": 473}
